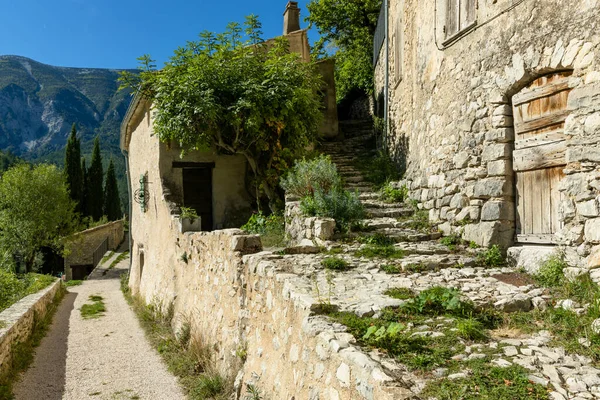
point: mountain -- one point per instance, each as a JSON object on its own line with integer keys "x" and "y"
{"x": 39, "y": 103}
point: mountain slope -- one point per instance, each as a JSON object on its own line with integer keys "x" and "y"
{"x": 39, "y": 103}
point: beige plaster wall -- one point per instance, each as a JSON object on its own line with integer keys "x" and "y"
{"x": 451, "y": 114}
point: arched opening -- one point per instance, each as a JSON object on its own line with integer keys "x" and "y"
{"x": 539, "y": 111}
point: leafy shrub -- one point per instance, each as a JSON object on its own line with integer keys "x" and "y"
{"x": 391, "y": 269}
{"x": 420, "y": 221}
{"x": 551, "y": 273}
{"x": 335, "y": 263}
{"x": 491, "y": 257}
{"x": 13, "y": 287}
{"x": 339, "y": 204}
{"x": 451, "y": 241}
{"x": 400, "y": 293}
{"x": 307, "y": 177}
{"x": 272, "y": 228}
{"x": 389, "y": 194}
{"x": 189, "y": 213}
{"x": 378, "y": 239}
{"x": 471, "y": 329}
{"x": 437, "y": 301}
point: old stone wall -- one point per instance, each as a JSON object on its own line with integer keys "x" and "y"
{"x": 298, "y": 228}
{"x": 451, "y": 113}
{"x": 83, "y": 244}
{"x": 17, "y": 321}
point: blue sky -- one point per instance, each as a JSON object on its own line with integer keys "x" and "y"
{"x": 112, "y": 33}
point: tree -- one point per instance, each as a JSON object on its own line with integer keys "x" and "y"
{"x": 95, "y": 199}
{"x": 112, "y": 202}
{"x": 83, "y": 206}
{"x": 347, "y": 28}
{"x": 73, "y": 175}
{"x": 36, "y": 211}
{"x": 237, "y": 95}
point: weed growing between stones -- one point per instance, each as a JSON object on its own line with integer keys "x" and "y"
{"x": 389, "y": 194}
{"x": 400, "y": 293}
{"x": 187, "y": 356}
{"x": 252, "y": 392}
{"x": 415, "y": 268}
{"x": 451, "y": 241}
{"x": 73, "y": 283}
{"x": 107, "y": 257}
{"x": 23, "y": 352}
{"x": 551, "y": 273}
{"x": 335, "y": 264}
{"x": 94, "y": 310}
{"x": 377, "y": 251}
{"x": 491, "y": 257}
{"x": 117, "y": 260}
{"x": 419, "y": 221}
{"x": 270, "y": 228}
{"x": 391, "y": 269}
{"x": 378, "y": 239}
{"x": 378, "y": 169}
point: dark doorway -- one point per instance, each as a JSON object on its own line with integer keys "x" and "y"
{"x": 80, "y": 272}
{"x": 197, "y": 194}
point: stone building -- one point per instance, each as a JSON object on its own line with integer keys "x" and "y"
{"x": 495, "y": 106}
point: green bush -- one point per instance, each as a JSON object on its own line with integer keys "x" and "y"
{"x": 389, "y": 194}
{"x": 14, "y": 287}
{"x": 335, "y": 263}
{"x": 375, "y": 251}
{"x": 551, "y": 273}
{"x": 491, "y": 257}
{"x": 307, "y": 177}
{"x": 339, "y": 204}
{"x": 271, "y": 228}
{"x": 378, "y": 239}
{"x": 451, "y": 241}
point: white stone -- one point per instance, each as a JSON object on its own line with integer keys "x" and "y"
{"x": 343, "y": 375}
{"x": 592, "y": 230}
{"x": 595, "y": 326}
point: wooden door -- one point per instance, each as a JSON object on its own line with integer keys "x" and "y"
{"x": 197, "y": 194}
{"x": 539, "y": 113}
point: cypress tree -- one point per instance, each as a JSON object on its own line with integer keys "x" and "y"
{"x": 84, "y": 192}
{"x": 112, "y": 203}
{"x": 73, "y": 175}
{"x": 95, "y": 200}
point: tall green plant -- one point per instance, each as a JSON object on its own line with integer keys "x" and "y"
{"x": 112, "y": 202}
{"x": 73, "y": 173}
{"x": 85, "y": 187}
{"x": 237, "y": 94}
{"x": 95, "y": 200}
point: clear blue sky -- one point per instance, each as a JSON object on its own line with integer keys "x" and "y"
{"x": 112, "y": 34}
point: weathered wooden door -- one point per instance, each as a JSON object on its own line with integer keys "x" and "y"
{"x": 539, "y": 113}
{"x": 197, "y": 194}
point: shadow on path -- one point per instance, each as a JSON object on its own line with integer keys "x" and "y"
{"x": 46, "y": 378}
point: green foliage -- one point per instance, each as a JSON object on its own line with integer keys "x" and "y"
{"x": 95, "y": 200}
{"x": 373, "y": 251}
{"x": 335, "y": 263}
{"x": 73, "y": 283}
{"x": 400, "y": 293}
{"x": 551, "y": 273}
{"x": 379, "y": 169}
{"x": 391, "y": 269}
{"x": 491, "y": 257}
{"x": 84, "y": 208}
{"x": 438, "y": 301}
{"x": 419, "y": 221}
{"x": 451, "y": 241}
{"x": 252, "y": 393}
{"x": 378, "y": 239}
{"x": 112, "y": 203}
{"x": 94, "y": 310}
{"x": 414, "y": 267}
{"x": 488, "y": 383}
{"x": 389, "y": 194}
{"x": 188, "y": 213}
{"x": 237, "y": 94}
{"x": 271, "y": 228}
{"x": 207, "y": 387}
{"x": 35, "y": 211}
{"x": 339, "y": 204}
{"x": 72, "y": 171}
{"x": 307, "y": 177}
{"x": 347, "y": 30}
{"x": 471, "y": 329}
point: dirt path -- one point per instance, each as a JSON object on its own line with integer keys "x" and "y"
{"x": 103, "y": 358}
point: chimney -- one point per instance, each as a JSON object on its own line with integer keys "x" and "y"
{"x": 291, "y": 18}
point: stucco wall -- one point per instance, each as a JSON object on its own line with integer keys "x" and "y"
{"x": 450, "y": 112}
{"x": 18, "y": 321}
{"x": 83, "y": 244}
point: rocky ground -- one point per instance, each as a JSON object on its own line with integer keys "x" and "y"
{"x": 439, "y": 316}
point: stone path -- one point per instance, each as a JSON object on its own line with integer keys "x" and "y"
{"x": 104, "y": 358}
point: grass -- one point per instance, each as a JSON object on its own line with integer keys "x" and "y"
{"x": 488, "y": 383}
{"x": 107, "y": 257}
{"x": 551, "y": 273}
{"x": 116, "y": 261}
{"x": 391, "y": 269}
{"x": 419, "y": 221}
{"x": 94, "y": 310}
{"x": 335, "y": 263}
{"x": 400, "y": 293}
{"x": 23, "y": 352}
{"x": 415, "y": 268}
{"x": 270, "y": 228}
{"x": 73, "y": 283}
{"x": 187, "y": 357}
{"x": 389, "y": 194}
{"x": 491, "y": 257}
{"x": 378, "y": 251}
{"x": 451, "y": 241}
{"x": 378, "y": 239}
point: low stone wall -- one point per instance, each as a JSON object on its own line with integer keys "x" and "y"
{"x": 257, "y": 316}
{"x": 83, "y": 244}
{"x": 299, "y": 228}
{"x": 17, "y": 321}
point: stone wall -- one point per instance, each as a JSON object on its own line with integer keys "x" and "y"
{"x": 451, "y": 114}
{"x": 299, "y": 228}
{"x": 83, "y": 244}
{"x": 17, "y": 321}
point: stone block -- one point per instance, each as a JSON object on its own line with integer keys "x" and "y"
{"x": 588, "y": 208}
{"x": 461, "y": 159}
{"x": 529, "y": 258}
{"x": 486, "y": 188}
{"x": 503, "y": 109}
{"x": 488, "y": 233}
{"x": 502, "y": 121}
{"x": 324, "y": 228}
{"x": 459, "y": 201}
{"x": 498, "y": 151}
{"x": 500, "y": 135}
{"x": 592, "y": 230}
{"x": 582, "y": 153}
{"x": 593, "y": 260}
{"x": 499, "y": 168}
{"x": 498, "y": 210}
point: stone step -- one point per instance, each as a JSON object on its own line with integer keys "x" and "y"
{"x": 354, "y": 179}
{"x": 388, "y": 212}
{"x": 376, "y": 204}
{"x": 368, "y": 195}
{"x": 408, "y": 235}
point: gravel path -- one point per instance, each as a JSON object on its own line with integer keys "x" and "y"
{"x": 104, "y": 358}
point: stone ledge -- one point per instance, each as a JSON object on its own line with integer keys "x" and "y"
{"x": 20, "y": 319}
